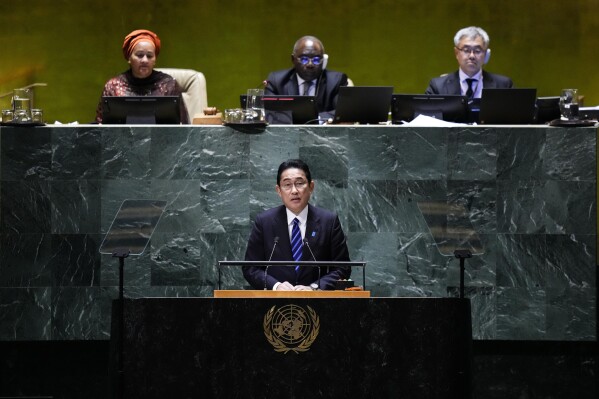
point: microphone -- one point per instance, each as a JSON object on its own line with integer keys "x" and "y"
{"x": 276, "y": 241}
{"x": 264, "y": 85}
{"x": 313, "y": 257}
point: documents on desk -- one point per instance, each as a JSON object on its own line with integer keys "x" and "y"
{"x": 428, "y": 121}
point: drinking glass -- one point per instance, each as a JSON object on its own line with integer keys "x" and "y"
{"x": 568, "y": 104}
{"x": 255, "y": 104}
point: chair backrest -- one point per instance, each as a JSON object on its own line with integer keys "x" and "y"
{"x": 193, "y": 84}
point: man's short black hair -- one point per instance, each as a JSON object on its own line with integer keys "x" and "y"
{"x": 294, "y": 163}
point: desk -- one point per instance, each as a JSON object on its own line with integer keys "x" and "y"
{"x": 416, "y": 348}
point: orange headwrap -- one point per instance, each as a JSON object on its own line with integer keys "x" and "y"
{"x": 137, "y": 36}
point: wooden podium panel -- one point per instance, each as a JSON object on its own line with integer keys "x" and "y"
{"x": 417, "y": 348}
{"x": 289, "y": 294}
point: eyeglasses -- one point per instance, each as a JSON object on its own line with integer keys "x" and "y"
{"x": 288, "y": 186}
{"x": 304, "y": 60}
{"x": 467, "y": 50}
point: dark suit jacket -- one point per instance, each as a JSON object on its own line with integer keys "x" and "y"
{"x": 450, "y": 83}
{"x": 327, "y": 90}
{"x": 325, "y": 238}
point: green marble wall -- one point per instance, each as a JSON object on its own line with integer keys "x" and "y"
{"x": 74, "y": 45}
{"x": 530, "y": 193}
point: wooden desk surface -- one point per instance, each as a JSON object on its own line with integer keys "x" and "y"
{"x": 289, "y": 294}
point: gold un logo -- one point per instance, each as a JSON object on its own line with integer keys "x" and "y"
{"x": 291, "y": 328}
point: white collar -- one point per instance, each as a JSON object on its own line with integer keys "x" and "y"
{"x": 302, "y": 217}
{"x": 478, "y": 76}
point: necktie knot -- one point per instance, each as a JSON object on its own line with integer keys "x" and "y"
{"x": 307, "y": 84}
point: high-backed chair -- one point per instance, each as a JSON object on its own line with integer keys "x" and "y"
{"x": 193, "y": 84}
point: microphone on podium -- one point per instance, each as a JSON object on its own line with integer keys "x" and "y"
{"x": 276, "y": 241}
{"x": 313, "y": 258}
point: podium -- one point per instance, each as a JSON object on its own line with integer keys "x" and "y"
{"x": 356, "y": 347}
{"x": 290, "y": 263}
{"x": 289, "y": 294}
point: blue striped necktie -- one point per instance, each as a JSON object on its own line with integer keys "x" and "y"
{"x": 296, "y": 243}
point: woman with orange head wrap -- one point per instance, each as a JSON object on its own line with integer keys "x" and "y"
{"x": 141, "y": 48}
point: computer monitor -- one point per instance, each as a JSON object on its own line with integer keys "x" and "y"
{"x": 287, "y": 109}
{"x": 451, "y": 108}
{"x": 146, "y": 110}
{"x": 508, "y": 106}
{"x": 363, "y": 104}
{"x": 547, "y": 109}
{"x": 297, "y": 110}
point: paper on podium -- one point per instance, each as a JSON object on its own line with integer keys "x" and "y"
{"x": 428, "y": 121}
{"x": 133, "y": 226}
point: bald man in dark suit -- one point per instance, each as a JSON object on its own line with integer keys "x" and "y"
{"x": 308, "y": 77}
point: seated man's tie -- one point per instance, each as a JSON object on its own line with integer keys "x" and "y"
{"x": 470, "y": 92}
{"x": 307, "y": 85}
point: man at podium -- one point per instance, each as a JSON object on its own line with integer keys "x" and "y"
{"x": 296, "y": 231}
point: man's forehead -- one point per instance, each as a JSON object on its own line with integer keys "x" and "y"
{"x": 477, "y": 41}
{"x": 308, "y": 46}
{"x": 293, "y": 173}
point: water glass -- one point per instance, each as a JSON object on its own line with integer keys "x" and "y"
{"x": 7, "y": 115}
{"x": 568, "y": 104}
{"x": 37, "y": 115}
{"x": 255, "y": 104}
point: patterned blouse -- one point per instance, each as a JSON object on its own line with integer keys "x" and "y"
{"x": 157, "y": 84}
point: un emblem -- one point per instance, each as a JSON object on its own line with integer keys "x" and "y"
{"x": 291, "y": 328}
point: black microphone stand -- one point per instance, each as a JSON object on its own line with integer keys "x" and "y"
{"x": 462, "y": 254}
{"x": 313, "y": 258}
{"x": 121, "y": 254}
{"x": 269, "y": 259}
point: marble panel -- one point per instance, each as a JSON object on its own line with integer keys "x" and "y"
{"x": 520, "y": 154}
{"x": 75, "y": 260}
{"x": 80, "y": 313}
{"x": 26, "y": 314}
{"x": 25, "y": 207}
{"x": 472, "y": 154}
{"x": 75, "y": 206}
{"x": 76, "y": 153}
{"x": 25, "y": 260}
{"x": 374, "y": 154}
{"x": 570, "y": 154}
{"x": 126, "y": 152}
{"x": 422, "y": 154}
{"x": 26, "y": 154}
{"x": 521, "y": 313}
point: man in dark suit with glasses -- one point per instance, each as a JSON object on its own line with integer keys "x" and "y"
{"x": 471, "y": 49}
{"x": 308, "y": 76}
{"x": 296, "y": 231}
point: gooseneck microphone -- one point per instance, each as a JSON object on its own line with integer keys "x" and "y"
{"x": 276, "y": 241}
{"x": 313, "y": 258}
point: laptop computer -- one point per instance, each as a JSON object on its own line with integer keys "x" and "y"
{"x": 507, "y": 106}
{"x": 287, "y": 109}
{"x": 547, "y": 109}
{"x": 363, "y": 104}
{"x": 452, "y": 108}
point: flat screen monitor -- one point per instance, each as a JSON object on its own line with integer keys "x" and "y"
{"x": 508, "y": 106}
{"x": 145, "y": 110}
{"x": 287, "y": 109}
{"x": 547, "y": 109}
{"x": 363, "y": 104}
{"x": 451, "y": 108}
